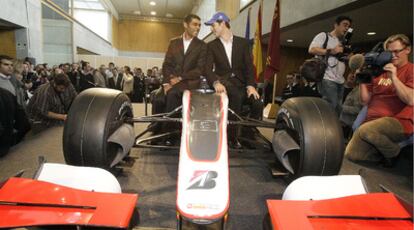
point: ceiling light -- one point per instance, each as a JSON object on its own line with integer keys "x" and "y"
{"x": 153, "y": 13}
{"x": 371, "y": 33}
{"x": 152, "y": 3}
{"x": 169, "y": 15}
{"x": 289, "y": 40}
{"x": 137, "y": 12}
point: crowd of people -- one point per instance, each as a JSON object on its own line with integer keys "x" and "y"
{"x": 39, "y": 96}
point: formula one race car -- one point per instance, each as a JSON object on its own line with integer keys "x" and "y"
{"x": 99, "y": 132}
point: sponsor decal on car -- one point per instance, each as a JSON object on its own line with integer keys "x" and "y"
{"x": 203, "y": 179}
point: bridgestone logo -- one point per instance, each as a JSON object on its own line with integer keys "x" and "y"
{"x": 203, "y": 179}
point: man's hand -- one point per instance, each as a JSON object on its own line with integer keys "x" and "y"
{"x": 219, "y": 88}
{"x": 252, "y": 91}
{"x": 166, "y": 87}
{"x": 174, "y": 80}
{"x": 337, "y": 49}
{"x": 391, "y": 70}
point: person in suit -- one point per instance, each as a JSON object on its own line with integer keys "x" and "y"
{"x": 86, "y": 77}
{"x": 118, "y": 78}
{"x": 184, "y": 62}
{"x": 182, "y": 67}
{"x": 229, "y": 69}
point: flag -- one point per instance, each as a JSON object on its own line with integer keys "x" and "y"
{"x": 257, "y": 46}
{"x": 273, "y": 50}
{"x": 247, "y": 34}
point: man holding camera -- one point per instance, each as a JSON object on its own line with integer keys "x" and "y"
{"x": 389, "y": 98}
{"x": 329, "y": 45}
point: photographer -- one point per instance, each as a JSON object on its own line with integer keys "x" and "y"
{"x": 389, "y": 98}
{"x": 51, "y": 102}
{"x": 329, "y": 45}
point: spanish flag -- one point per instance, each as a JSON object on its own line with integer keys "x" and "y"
{"x": 257, "y": 46}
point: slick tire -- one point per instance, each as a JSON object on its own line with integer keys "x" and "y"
{"x": 94, "y": 115}
{"x": 315, "y": 127}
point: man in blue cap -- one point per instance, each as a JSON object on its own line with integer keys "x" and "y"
{"x": 233, "y": 69}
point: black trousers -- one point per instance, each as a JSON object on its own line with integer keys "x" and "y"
{"x": 14, "y": 123}
{"x": 237, "y": 99}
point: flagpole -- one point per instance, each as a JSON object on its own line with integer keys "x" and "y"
{"x": 274, "y": 88}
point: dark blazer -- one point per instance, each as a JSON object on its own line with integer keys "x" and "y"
{"x": 189, "y": 66}
{"x": 118, "y": 82}
{"x": 218, "y": 66}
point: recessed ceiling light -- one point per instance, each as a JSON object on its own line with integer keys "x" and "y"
{"x": 371, "y": 33}
{"x": 137, "y": 12}
{"x": 169, "y": 15}
{"x": 153, "y": 13}
{"x": 152, "y": 3}
{"x": 289, "y": 40}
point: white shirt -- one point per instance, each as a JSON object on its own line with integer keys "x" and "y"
{"x": 6, "y": 84}
{"x": 186, "y": 43}
{"x": 228, "y": 47}
{"x": 336, "y": 69}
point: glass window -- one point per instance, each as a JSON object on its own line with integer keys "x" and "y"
{"x": 244, "y": 3}
{"x": 62, "y": 4}
{"x": 88, "y": 4}
{"x": 57, "y": 37}
{"x": 92, "y": 14}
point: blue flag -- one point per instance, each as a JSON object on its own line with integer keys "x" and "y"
{"x": 247, "y": 34}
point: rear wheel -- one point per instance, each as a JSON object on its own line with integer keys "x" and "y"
{"x": 94, "y": 115}
{"x": 314, "y": 126}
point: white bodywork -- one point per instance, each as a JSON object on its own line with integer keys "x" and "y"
{"x": 324, "y": 187}
{"x": 201, "y": 203}
{"x": 79, "y": 177}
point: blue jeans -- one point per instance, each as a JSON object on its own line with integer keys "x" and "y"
{"x": 333, "y": 93}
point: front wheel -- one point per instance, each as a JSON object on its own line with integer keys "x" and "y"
{"x": 315, "y": 127}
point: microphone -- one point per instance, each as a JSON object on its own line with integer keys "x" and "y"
{"x": 356, "y": 62}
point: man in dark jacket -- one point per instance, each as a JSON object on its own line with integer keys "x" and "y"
{"x": 184, "y": 62}
{"x": 230, "y": 57}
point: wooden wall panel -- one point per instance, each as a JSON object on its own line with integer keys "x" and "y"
{"x": 89, "y": 58}
{"x": 103, "y": 60}
{"x": 115, "y": 32}
{"x": 139, "y": 63}
{"x": 134, "y": 35}
{"x": 155, "y": 62}
{"x": 122, "y": 61}
{"x": 8, "y": 43}
{"x": 291, "y": 60}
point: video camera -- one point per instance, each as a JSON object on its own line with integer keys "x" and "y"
{"x": 372, "y": 63}
{"x": 346, "y": 43}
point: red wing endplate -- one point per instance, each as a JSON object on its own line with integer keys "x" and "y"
{"x": 27, "y": 202}
{"x": 368, "y": 211}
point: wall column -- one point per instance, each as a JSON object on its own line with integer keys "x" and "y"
{"x": 229, "y": 7}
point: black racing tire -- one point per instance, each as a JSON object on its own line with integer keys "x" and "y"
{"x": 94, "y": 115}
{"x": 315, "y": 127}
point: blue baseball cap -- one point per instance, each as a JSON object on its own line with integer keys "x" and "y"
{"x": 219, "y": 16}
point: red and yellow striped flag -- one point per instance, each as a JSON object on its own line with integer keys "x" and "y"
{"x": 257, "y": 46}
